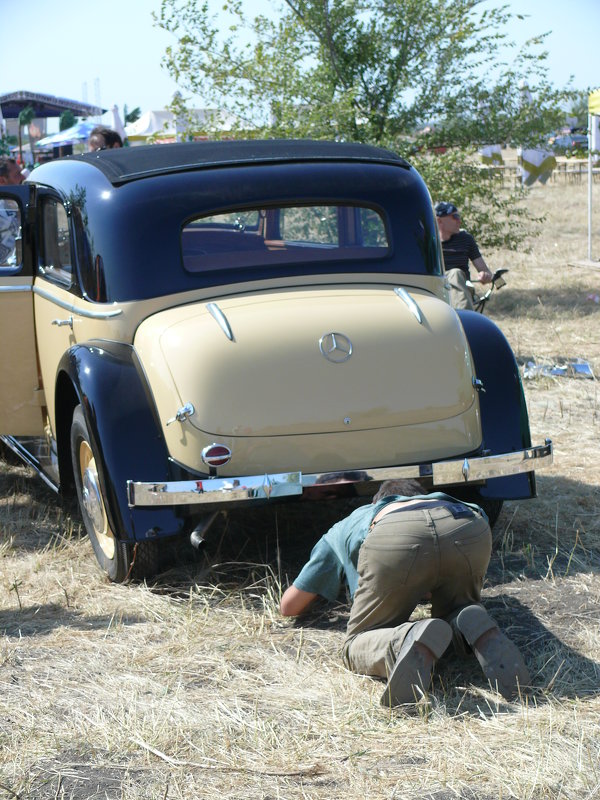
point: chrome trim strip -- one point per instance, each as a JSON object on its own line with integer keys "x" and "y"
{"x": 481, "y": 469}
{"x": 254, "y": 487}
{"x": 412, "y": 306}
{"x": 75, "y": 309}
{"x": 214, "y": 490}
{"x": 220, "y": 317}
{"x": 14, "y": 288}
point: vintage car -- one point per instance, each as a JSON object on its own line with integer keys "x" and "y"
{"x": 199, "y": 326}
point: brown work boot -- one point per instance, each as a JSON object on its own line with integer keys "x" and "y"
{"x": 425, "y": 642}
{"x": 500, "y": 659}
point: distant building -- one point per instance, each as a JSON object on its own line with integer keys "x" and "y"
{"x": 44, "y": 106}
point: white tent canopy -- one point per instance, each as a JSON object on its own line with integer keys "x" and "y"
{"x": 163, "y": 123}
{"x": 150, "y": 123}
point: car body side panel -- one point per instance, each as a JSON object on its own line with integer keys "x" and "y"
{"x": 122, "y": 423}
{"x": 21, "y": 399}
{"x": 20, "y": 395}
{"x": 504, "y": 419}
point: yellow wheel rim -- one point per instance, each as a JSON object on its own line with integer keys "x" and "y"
{"x": 92, "y": 500}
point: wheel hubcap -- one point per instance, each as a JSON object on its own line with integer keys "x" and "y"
{"x": 93, "y": 504}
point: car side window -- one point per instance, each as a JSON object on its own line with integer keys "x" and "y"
{"x": 56, "y": 242}
{"x": 10, "y": 234}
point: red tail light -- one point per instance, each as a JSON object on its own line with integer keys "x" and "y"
{"x": 216, "y": 455}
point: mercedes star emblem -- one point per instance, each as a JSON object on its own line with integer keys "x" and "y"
{"x": 335, "y": 347}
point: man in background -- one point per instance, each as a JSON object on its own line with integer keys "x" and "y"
{"x": 10, "y": 175}
{"x": 10, "y": 172}
{"x": 102, "y": 138}
{"x": 459, "y": 248}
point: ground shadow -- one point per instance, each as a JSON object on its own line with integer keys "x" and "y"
{"x": 36, "y": 620}
{"x": 542, "y": 303}
{"x": 558, "y": 669}
{"x": 554, "y": 535}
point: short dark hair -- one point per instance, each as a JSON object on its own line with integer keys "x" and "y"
{"x": 4, "y": 162}
{"x": 110, "y": 137}
{"x": 408, "y": 488}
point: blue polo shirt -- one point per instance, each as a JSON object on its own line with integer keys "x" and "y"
{"x": 334, "y": 558}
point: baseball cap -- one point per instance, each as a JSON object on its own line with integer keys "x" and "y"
{"x": 443, "y": 209}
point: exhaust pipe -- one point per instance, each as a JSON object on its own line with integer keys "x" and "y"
{"x": 197, "y": 539}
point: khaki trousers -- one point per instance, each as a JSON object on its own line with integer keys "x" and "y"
{"x": 460, "y": 294}
{"x": 437, "y": 547}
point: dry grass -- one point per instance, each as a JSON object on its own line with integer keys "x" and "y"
{"x": 195, "y": 687}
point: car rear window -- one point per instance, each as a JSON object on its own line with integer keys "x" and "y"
{"x": 283, "y": 235}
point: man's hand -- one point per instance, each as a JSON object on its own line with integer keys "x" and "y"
{"x": 484, "y": 277}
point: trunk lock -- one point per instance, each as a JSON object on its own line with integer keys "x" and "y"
{"x": 185, "y": 412}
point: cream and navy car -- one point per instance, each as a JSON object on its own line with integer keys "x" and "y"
{"x": 194, "y": 327}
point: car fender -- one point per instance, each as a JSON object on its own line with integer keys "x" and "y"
{"x": 504, "y": 418}
{"x": 122, "y": 423}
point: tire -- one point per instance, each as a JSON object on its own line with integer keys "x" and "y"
{"x": 118, "y": 559}
{"x": 491, "y": 505}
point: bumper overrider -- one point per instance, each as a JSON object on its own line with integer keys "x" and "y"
{"x": 211, "y": 491}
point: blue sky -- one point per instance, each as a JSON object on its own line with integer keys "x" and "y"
{"x": 112, "y": 51}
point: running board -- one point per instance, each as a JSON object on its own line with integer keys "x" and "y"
{"x": 36, "y": 452}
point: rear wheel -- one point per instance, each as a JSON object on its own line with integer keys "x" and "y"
{"x": 491, "y": 505}
{"x": 118, "y": 559}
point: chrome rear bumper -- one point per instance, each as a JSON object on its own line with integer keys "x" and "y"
{"x": 287, "y": 484}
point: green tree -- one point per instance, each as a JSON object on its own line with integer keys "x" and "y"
{"x": 66, "y": 120}
{"x": 376, "y": 71}
{"x": 26, "y": 117}
{"x": 579, "y": 108}
{"x": 131, "y": 116}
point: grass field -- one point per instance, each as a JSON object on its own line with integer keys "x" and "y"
{"x": 195, "y": 687}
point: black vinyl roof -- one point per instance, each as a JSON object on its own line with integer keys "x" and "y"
{"x": 122, "y": 165}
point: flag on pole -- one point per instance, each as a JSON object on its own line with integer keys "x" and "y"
{"x": 594, "y": 102}
{"x": 491, "y": 155}
{"x": 536, "y": 165}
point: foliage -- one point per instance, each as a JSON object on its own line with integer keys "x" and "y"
{"x": 131, "y": 116}
{"x": 579, "y": 108}
{"x": 26, "y": 117}
{"x": 375, "y": 71}
{"x": 66, "y": 120}
{"x": 494, "y": 213}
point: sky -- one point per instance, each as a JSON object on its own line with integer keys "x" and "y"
{"x": 110, "y": 52}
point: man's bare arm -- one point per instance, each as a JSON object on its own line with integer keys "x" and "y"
{"x": 295, "y": 601}
{"x": 484, "y": 274}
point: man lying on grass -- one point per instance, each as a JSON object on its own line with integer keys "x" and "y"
{"x": 405, "y": 546}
